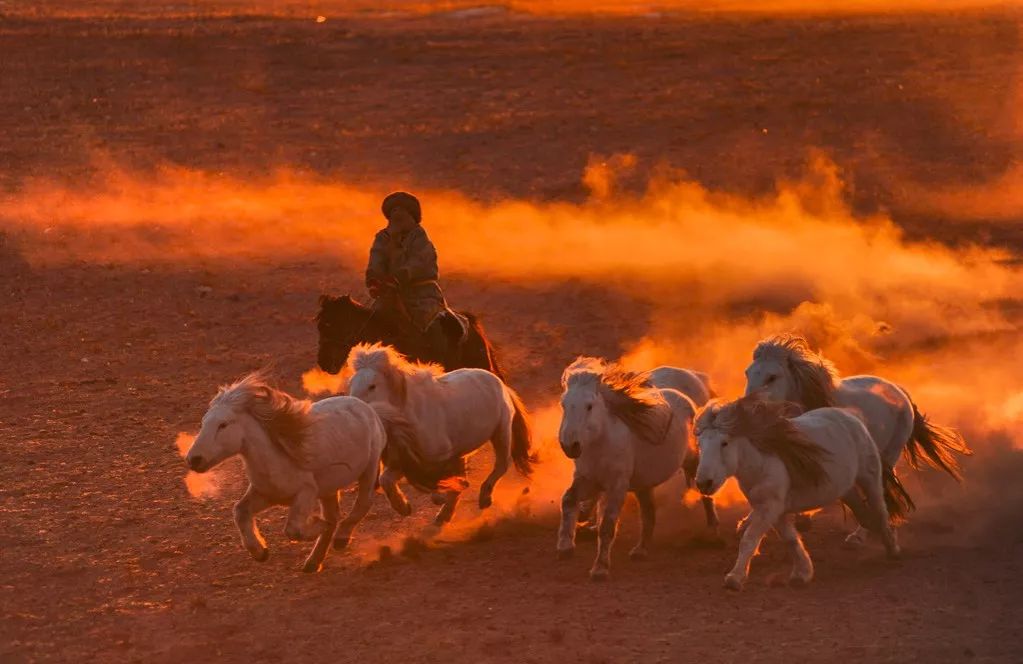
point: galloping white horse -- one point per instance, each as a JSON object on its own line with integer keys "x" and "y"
{"x": 785, "y": 368}
{"x": 787, "y": 466}
{"x": 453, "y": 415}
{"x": 623, "y": 436}
{"x": 296, "y": 453}
{"x": 693, "y": 384}
{"x": 696, "y": 386}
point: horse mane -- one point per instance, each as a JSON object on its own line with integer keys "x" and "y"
{"x": 396, "y": 367}
{"x": 330, "y": 303}
{"x": 627, "y": 394}
{"x": 285, "y": 419}
{"x": 816, "y": 378}
{"x": 768, "y": 426}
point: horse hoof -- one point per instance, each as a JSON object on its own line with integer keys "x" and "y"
{"x": 565, "y": 554}
{"x": 262, "y": 556}
{"x": 404, "y": 510}
{"x": 796, "y": 581}
{"x": 341, "y": 542}
{"x": 895, "y": 553}
{"x": 638, "y": 554}
{"x": 486, "y": 501}
{"x": 854, "y": 541}
{"x": 438, "y": 498}
{"x": 601, "y": 574}
{"x": 312, "y": 568}
{"x": 733, "y": 582}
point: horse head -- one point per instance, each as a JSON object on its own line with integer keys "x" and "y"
{"x": 341, "y": 323}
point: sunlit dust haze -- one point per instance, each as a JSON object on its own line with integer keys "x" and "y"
{"x": 716, "y": 271}
{"x": 204, "y": 485}
{"x": 324, "y": 9}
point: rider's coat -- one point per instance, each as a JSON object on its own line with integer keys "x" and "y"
{"x": 411, "y": 259}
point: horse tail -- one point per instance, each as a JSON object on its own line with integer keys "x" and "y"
{"x": 522, "y": 437}
{"x": 896, "y": 498}
{"x": 487, "y": 358}
{"x": 935, "y": 445}
{"x": 401, "y": 452}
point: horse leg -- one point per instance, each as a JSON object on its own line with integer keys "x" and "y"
{"x": 245, "y": 511}
{"x": 501, "y": 441}
{"x": 760, "y": 520}
{"x": 613, "y": 502}
{"x": 711, "y": 512}
{"x": 802, "y": 565}
{"x": 648, "y": 516}
{"x": 854, "y": 501}
{"x": 570, "y": 501}
{"x": 302, "y": 524}
{"x": 451, "y": 497}
{"x": 314, "y": 562}
{"x": 389, "y": 482}
{"x": 363, "y": 501}
{"x": 879, "y": 522}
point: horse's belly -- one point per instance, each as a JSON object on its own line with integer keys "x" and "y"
{"x": 883, "y": 408}
{"x": 655, "y": 465}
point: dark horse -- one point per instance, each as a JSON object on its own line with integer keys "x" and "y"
{"x": 343, "y": 323}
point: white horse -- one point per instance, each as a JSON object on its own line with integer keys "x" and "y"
{"x": 696, "y": 386}
{"x": 296, "y": 453}
{"x": 693, "y": 384}
{"x": 787, "y": 466}
{"x": 453, "y": 415}
{"x": 785, "y": 368}
{"x": 623, "y": 436}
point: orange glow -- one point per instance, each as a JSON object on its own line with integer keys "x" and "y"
{"x": 316, "y": 381}
{"x": 204, "y": 485}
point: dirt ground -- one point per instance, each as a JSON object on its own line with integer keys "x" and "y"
{"x": 104, "y": 556}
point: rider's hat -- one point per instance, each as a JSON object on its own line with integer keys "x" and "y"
{"x": 405, "y": 201}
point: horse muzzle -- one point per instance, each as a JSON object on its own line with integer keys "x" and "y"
{"x": 197, "y": 464}
{"x": 573, "y": 450}
{"x": 707, "y": 487}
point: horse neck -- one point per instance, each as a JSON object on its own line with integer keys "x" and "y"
{"x": 259, "y": 452}
{"x": 750, "y": 468}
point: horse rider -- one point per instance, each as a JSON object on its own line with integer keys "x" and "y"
{"x": 402, "y": 272}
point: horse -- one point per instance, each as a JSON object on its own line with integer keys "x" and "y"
{"x": 296, "y": 453}
{"x": 696, "y": 386}
{"x": 693, "y": 384}
{"x": 622, "y": 436}
{"x": 453, "y": 415}
{"x": 785, "y": 368}
{"x": 342, "y": 323}
{"x": 786, "y": 466}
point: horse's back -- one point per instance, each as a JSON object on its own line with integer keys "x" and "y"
{"x": 884, "y": 407}
{"x": 847, "y": 445}
{"x": 346, "y": 416}
{"x": 693, "y": 384}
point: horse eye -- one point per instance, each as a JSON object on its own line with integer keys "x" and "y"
{"x": 589, "y": 407}
{"x": 372, "y": 387}
{"x": 771, "y": 379}
{"x": 724, "y": 444}
{"x": 222, "y": 426}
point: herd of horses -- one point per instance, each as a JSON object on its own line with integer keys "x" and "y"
{"x": 800, "y": 438}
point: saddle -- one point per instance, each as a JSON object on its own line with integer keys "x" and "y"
{"x": 455, "y": 325}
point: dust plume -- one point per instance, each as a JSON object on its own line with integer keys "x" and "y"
{"x": 718, "y": 271}
{"x": 205, "y": 485}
